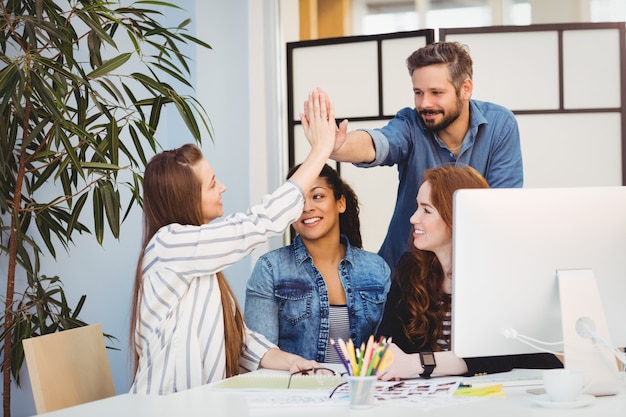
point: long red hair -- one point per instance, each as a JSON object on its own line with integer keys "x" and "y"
{"x": 423, "y": 303}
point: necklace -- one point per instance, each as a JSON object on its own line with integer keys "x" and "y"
{"x": 455, "y": 150}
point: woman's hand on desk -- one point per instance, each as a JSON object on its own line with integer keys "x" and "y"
{"x": 278, "y": 359}
{"x": 409, "y": 365}
{"x": 404, "y": 365}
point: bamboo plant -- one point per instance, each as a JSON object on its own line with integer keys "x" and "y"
{"x": 78, "y": 121}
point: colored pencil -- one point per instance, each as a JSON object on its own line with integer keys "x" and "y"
{"x": 367, "y": 359}
{"x": 344, "y": 360}
{"x": 367, "y": 356}
{"x": 352, "y": 355}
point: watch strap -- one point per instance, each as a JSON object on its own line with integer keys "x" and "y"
{"x": 427, "y": 360}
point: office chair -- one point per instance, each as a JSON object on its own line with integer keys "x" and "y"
{"x": 68, "y": 368}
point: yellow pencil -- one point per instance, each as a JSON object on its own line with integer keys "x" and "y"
{"x": 351, "y": 355}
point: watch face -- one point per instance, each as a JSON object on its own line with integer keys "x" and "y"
{"x": 428, "y": 359}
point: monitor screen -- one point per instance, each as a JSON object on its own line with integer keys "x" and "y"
{"x": 508, "y": 245}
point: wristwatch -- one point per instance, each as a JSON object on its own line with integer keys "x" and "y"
{"x": 428, "y": 363}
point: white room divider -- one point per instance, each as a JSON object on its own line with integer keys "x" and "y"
{"x": 565, "y": 83}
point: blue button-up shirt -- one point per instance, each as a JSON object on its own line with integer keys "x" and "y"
{"x": 287, "y": 298}
{"x": 491, "y": 146}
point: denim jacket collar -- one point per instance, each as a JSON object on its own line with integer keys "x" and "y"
{"x": 302, "y": 254}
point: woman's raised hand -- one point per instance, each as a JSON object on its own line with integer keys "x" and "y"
{"x": 319, "y": 126}
{"x": 318, "y": 121}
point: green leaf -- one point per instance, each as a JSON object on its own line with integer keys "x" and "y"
{"x": 73, "y": 222}
{"x": 137, "y": 143}
{"x": 156, "y": 112}
{"x": 110, "y": 65}
{"x": 159, "y": 3}
{"x": 114, "y": 141}
{"x": 98, "y": 214}
{"x": 196, "y": 41}
{"x": 111, "y": 200}
{"x": 79, "y": 307}
{"x": 100, "y": 166}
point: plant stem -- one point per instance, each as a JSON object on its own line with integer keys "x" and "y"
{"x": 10, "y": 292}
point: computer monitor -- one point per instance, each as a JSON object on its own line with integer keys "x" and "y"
{"x": 535, "y": 264}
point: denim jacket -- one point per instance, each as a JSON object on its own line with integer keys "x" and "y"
{"x": 287, "y": 299}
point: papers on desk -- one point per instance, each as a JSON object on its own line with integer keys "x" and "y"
{"x": 270, "y": 379}
{"x": 287, "y": 398}
{"x": 268, "y": 389}
{"x": 411, "y": 389}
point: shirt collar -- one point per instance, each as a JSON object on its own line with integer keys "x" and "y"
{"x": 302, "y": 254}
{"x": 477, "y": 118}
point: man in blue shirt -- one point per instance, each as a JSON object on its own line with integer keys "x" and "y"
{"x": 445, "y": 127}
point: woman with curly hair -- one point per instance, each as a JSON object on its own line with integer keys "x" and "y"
{"x": 324, "y": 285}
{"x": 418, "y": 310}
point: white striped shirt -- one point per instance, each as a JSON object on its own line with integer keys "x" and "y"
{"x": 180, "y": 335}
{"x": 339, "y": 329}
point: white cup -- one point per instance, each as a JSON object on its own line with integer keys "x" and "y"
{"x": 564, "y": 385}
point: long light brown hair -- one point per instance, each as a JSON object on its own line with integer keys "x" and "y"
{"x": 423, "y": 303}
{"x": 172, "y": 194}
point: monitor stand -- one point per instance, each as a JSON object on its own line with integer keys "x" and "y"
{"x": 581, "y": 309}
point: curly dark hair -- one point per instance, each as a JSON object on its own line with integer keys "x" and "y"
{"x": 349, "y": 223}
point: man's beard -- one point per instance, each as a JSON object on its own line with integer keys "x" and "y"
{"x": 448, "y": 118}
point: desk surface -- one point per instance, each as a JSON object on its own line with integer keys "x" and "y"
{"x": 192, "y": 403}
{"x": 206, "y": 400}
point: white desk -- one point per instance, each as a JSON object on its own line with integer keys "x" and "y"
{"x": 517, "y": 403}
{"x": 205, "y": 401}
{"x": 192, "y": 403}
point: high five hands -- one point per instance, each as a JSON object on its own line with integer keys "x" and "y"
{"x": 319, "y": 118}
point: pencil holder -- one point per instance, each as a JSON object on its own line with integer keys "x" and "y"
{"x": 361, "y": 391}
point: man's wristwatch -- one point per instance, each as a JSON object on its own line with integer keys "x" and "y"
{"x": 428, "y": 363}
